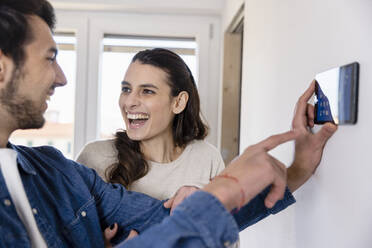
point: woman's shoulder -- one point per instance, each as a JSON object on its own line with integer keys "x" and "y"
{"x": 204, "y": 153}
{"x": 203, "y": 146}
{"x": 203, "y": 150}
{"x": 100, "y": 146}
{"x": 98, "y": 153}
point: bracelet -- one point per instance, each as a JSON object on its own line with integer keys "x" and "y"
{"x": 240, "y": 187}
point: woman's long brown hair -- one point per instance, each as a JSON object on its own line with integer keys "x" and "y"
{"x": 187, "y": 125}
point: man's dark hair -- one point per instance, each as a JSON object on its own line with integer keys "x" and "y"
{"x": 15, "y": 31}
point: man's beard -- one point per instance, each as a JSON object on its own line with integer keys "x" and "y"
{"x": 23, "y": 110}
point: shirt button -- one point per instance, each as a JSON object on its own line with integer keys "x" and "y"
{"x": 7, "y": 202}
{"x": 83, "y": 213}
{"x": 34, "y": 210}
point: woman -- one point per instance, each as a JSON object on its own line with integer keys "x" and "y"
{"x": 162, "y": 148}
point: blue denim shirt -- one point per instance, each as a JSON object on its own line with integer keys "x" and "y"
{"x": 73, "y": 205}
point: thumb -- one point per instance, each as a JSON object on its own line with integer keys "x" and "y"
{"x": 326, "y": 132}
{"x": 168, "y": 203}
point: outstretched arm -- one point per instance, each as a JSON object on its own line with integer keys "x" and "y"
{"x": 204, "y": 219}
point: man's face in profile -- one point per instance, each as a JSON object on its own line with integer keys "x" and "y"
{"x": 32, "y": 83}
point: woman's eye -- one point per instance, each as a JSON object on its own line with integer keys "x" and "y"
{"x": 148, "y": 92}
{"x": 125, "y": 89}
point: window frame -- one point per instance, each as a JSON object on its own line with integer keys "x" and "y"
{"x": 90, "y": 28}
{"x": 79, "y": 26}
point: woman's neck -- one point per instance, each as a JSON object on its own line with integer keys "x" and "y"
{"x": 161, "y": 149}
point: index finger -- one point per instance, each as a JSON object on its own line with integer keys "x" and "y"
{"x": 275, "y": 140}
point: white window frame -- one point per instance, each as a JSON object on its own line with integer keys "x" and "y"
{"x": 79, "y": 26}
{"x": 90, "y": 28}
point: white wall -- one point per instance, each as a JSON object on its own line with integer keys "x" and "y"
{"x": 230, "y": 9}
{"x": 285, "y": 44}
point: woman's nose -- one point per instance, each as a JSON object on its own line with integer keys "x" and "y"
{"x": 132, "y": 100}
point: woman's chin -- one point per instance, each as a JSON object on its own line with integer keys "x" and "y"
{"x": 135, "y": 135}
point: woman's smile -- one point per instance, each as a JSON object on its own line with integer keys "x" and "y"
{"x": 137, "y": 120}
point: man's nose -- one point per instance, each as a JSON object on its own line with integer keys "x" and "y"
{"x": 60, "y": 79}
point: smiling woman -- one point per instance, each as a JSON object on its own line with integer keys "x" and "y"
{"x": 163, "y": 147}
{"x": 119, "y": 50}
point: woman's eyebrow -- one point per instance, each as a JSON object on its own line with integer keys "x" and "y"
{"x": 148, "y": 86}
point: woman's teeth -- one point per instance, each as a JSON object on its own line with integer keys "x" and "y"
{"x": 137, "y": 120}
{"x": 137, "y": 116}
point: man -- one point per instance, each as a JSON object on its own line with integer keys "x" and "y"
{"x": 49, "y": 201}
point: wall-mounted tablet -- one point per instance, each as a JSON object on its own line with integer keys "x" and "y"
{"x": 337, "y": 95}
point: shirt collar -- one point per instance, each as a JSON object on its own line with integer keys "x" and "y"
{"x": 24, "y": 164}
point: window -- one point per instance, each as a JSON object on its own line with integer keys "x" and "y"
{"x": 98, "y": 42}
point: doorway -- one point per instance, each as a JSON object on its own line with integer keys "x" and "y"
{"x": 231, "y": 94}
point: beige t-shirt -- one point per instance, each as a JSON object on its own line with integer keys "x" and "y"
{"x": 198, "y": 163}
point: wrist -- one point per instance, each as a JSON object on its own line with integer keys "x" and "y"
{"x": 297, "y": 176}
{"x": 226, "y": 191}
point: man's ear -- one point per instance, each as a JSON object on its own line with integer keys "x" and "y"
{"x": 6, "y": 66}
{"x": 180, "y": 103}
{"x": 2, "y": 70}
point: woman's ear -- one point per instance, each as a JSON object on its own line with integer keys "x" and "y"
{"x": 180, "y": 103}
